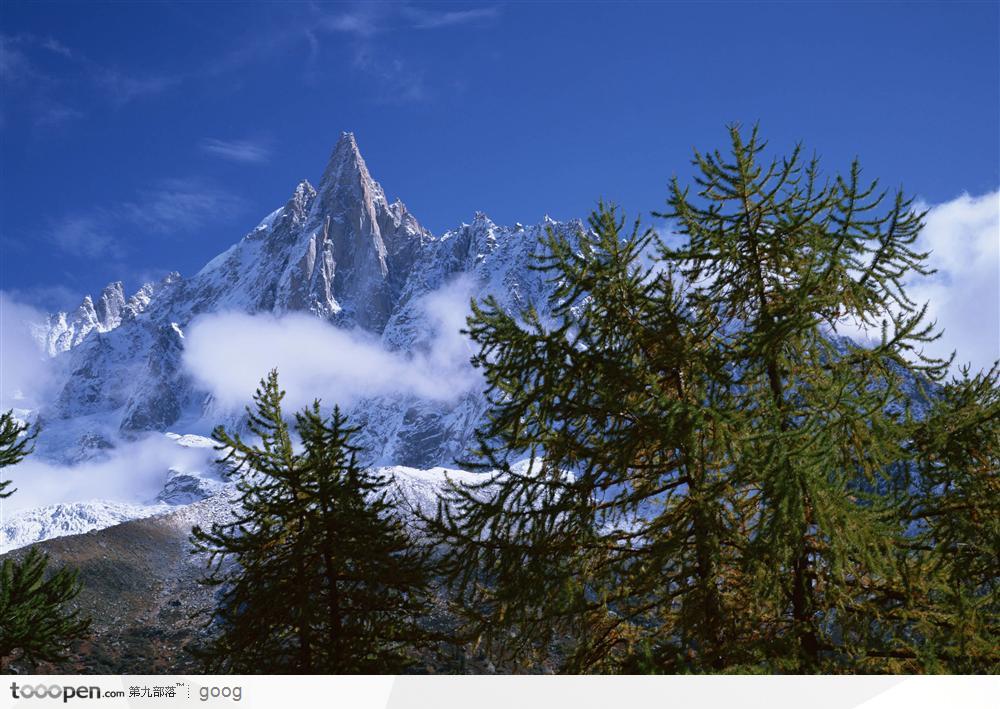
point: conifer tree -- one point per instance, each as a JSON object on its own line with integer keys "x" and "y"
{"x": 16, "y": 443}
{"x": 316, "y": 572}
{"x": 716, "y": 473}
{"x": 622, "y": 524}
{"x": 784, "y": 258}
{"x": 946, "y": 608}
{"x": 35, "y": 624}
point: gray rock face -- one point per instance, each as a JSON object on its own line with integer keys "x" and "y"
{"x": 158, "y": 399}
{"x": 108, "y": 310}
{"x": 183, "y": 488}
{"x": 341, "y": 252}
{"x": 356, "y": 234}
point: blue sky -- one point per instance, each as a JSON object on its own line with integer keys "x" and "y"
{"x": 141, "y": 138}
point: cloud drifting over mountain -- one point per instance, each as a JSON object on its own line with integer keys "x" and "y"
{"x": 27, "y": 376}
{"x": 134, "y": 472}
{"x": 228, "y": 354}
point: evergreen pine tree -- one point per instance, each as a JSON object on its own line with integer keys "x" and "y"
{"x": 717, "y": 475}
{"x": 35, "y": 624}
{"x": 316, "y": 572}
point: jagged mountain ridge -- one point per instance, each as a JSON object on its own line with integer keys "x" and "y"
{"x": 340, "y": 251}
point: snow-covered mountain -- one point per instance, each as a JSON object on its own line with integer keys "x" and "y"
{"x": 340, "y": 251}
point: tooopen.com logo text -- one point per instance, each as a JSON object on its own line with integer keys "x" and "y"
{"x": 55, "y": 691}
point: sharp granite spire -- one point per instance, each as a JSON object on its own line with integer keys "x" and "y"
{"x": 363, "y": 246}
{"x": 339, "y": 250}
{"x": 346, "y": 174}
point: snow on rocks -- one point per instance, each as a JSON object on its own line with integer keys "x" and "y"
{"x": 41, "y": 523}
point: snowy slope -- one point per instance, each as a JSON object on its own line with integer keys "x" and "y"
{"x": 414, "y": 491}
{"x": 35, "y": 525}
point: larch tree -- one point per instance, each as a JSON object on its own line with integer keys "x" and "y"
{"x": 316, "y": 571}
{"x": 624, "y": 523}
{"x": 784, "y": 258}
{"x": 945, "y": 607}
{"x": 716, "y": 474}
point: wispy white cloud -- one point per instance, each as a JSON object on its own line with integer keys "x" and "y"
{"x": 426, "y": 19}
{"x": 242, "y": 151}
{"x": 179, "y": 205}
{"x": 391, "y": 77}
{"x": 28, "y": 376}
{"x": 362, "y": 21}
{"x": 395, "y": 81}
{"x": 123, "y": 88}
{"x": 84, "y": 235}
{"x": 12, "y": 62}
{"x": 54, "y": 45}
{"x": 394, "y": 78}
{"x": 44, "y": 95}
{"x": 15, "y": 66}
{"x": 169, "y": 207}
{"x": 369, "y": 19}
{"x": 57, "y": 115}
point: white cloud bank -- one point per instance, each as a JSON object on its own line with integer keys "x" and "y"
{"x": 228, "y": 353}
{"x": 27, "y": 375}
{"x": 134, "y": 472}
{"x": 962, "y": 240}
{"x": 963, "y": 237}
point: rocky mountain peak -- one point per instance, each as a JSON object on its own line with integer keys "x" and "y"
{"x": 304, "y": 191}
{"x": 301, "y": 198}
{"x": 357, "y": 248}
{"x": 64, "y": 331}
{"x": 346, "y": 179}
{"x": 109, "y": 307}
{"x": 86, "y": 307}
